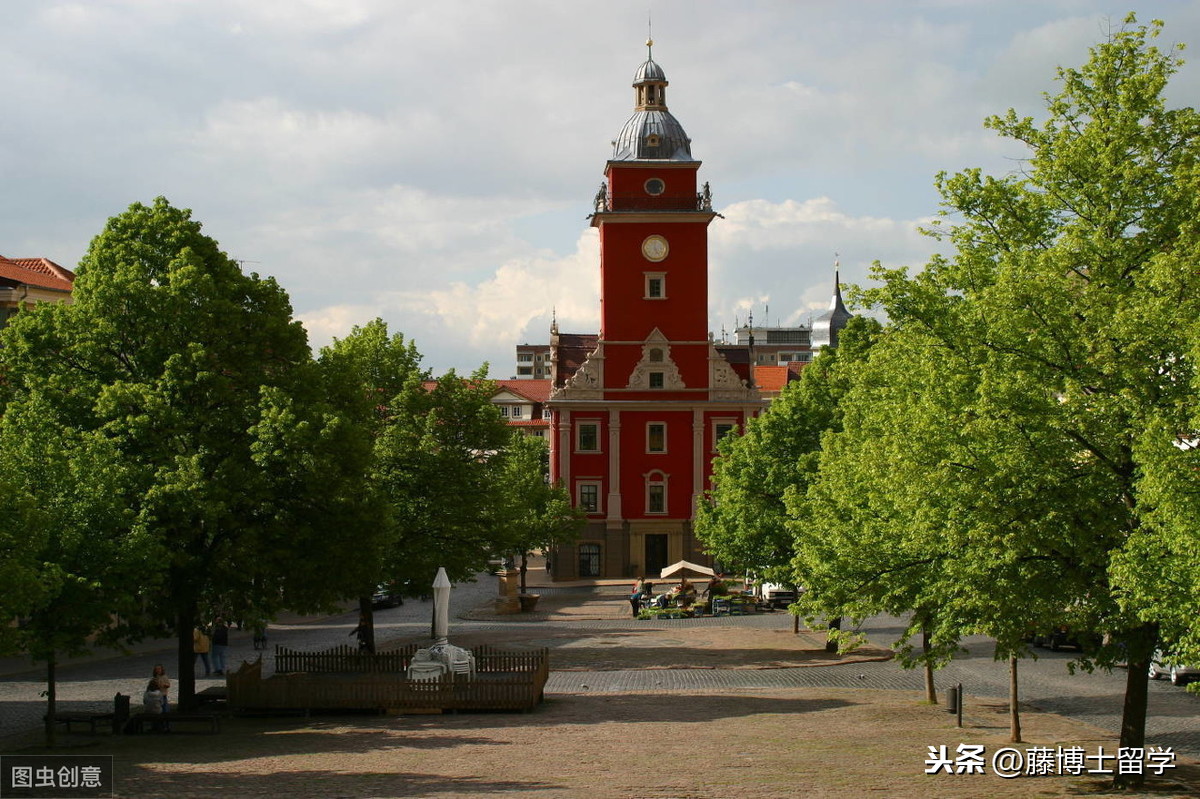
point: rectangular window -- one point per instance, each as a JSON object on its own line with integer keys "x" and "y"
{"x": 656, "y": 498}
{"x": 722, "y": 428}
{"x": 504, "y": 411}
{"x": 545, "y": 413}
{"x": 589, "y": 560}
{"x": 589, "y": 497}
{"x": 587, "y": 437}
{"x": 517, "y": 413}
{"x": 525, "y": 356}
{"x": 656, "y": 286}
{"x": 656, "y": 380}
{"x": 524, "y": 370}
{"x": 656, "y": 437}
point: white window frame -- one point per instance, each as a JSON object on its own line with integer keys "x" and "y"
{"x": 661, "y": 277}
{"x": 656, "y": 480}
{"x": 719, "y": 422}
{"x": 579, "y": 486}
{"x": 579, "y": 436}
{"x": 662, "y": 451}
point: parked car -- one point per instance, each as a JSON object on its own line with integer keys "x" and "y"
{"x": 1179, "y": 675}
{"x": 1058, "y": 638}
{"x": 385, "y": 596}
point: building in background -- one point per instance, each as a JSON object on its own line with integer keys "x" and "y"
{"x": 522, "y": 404}
{"x": 533, "y": 362}
{"x": 24, "y": 282}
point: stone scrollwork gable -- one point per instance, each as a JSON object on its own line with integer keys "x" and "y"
{"x": 588, "y": 380}
{"x": 724, "y": 385}
{"x": 656, "y": 359}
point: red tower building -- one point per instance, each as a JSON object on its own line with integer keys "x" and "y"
{"x": 635, "y": 424}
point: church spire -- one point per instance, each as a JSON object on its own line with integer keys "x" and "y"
{"x": 826, "y": 327}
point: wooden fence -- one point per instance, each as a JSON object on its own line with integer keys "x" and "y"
{"x": 341, "y": 679}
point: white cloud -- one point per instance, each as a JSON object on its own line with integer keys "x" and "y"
{"x": 432, "y": 163}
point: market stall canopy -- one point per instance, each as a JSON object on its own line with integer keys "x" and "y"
{"x": 686, "y": 569}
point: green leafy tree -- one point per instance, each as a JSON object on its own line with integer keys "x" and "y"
{"x": 195, "y": 375}
{"x": 743, "y": 522}
{"x": 435, "y": 466}
{"x": 1060, "y": 343}
{"x": 433, "y": 478}
{"x": 65, "y": 568}
{"x": 534, "y": 514}
{"x": 365, "y": 375}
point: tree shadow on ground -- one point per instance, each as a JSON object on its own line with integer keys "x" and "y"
{"x": 268, "y": 737}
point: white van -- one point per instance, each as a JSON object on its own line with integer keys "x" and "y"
{"x": 774, "y": 594}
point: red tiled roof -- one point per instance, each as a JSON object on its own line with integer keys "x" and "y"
{"x": 771, "y": 378}
{"x": 40, "y": 272}
{"x": 532, "y": 390}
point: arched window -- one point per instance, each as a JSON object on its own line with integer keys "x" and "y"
{"x": 589, "y": 560}
{"x": 656, "y": 492}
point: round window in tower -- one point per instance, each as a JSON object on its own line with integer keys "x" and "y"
{"x": 655, "y": 186}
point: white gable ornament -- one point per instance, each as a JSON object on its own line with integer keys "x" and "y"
{"x": 656, "y": 357}
{"x": 588, "y": 380}
{"x": 723, "y": 382}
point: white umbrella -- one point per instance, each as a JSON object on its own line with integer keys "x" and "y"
{"x": 441, "y": 604}
{"x": 683, "y": 567}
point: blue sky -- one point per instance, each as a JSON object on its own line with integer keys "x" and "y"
{"x": 433, "y": 163}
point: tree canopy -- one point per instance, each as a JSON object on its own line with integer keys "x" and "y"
{"x": 743, "y": 522}
{"x": 196, "y": 384}
{"x": 1011, "y": 450}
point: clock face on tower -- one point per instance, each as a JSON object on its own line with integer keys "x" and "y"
{"x": 654, "y": 248}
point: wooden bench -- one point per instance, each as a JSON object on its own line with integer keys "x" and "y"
{"x": 115, "y": 720}
{"x": 90, "y": 719}
{"x": 138, "y": 721}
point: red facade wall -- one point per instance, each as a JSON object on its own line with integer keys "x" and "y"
{"x": 675, "y": 463}
{"x": 625, "y": 313}
{"x": 627, "y": 186}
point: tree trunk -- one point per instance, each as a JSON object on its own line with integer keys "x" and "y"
{"x": 366, "y": 615}
{"x": 930, "y": 688}
{"x": 830, "y": 643}
{"x": 524, "y": 569}
{"x": 1014, "y": 710}
{"x": 51, "y": 700}
{"x": 1139, "y": 648}
{"x": 185, "y": 668}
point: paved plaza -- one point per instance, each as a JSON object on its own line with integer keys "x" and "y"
{"x": 597, "y": 611}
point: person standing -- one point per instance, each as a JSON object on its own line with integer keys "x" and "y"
{"x": 220, "y": 645}
{"x": 635, "y": 598}
{"x": 159, "y": 680}
{"x": 201, "y": 644}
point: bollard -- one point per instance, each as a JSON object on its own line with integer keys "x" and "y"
{"x": 960, "y": 704}
{"x": 951, "y": 700}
